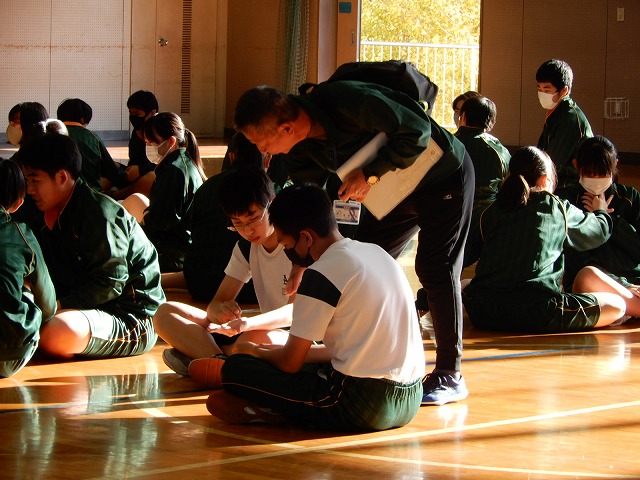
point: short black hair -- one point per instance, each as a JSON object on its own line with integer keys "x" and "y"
{"x": 14, "y": 113}
{"x": 244, "y": 187}
{"x": 597, "y": 156}
{"x": 74, "y": 110}
{"x": 298, "y": 207}
{"x": 13, "y": 186}
{"x": 241, "y": 152}
{"x": 143, "y": 100}
{"x": 463, "y": 97}
{"x": 557, "y": 72}
{"x": 31, "y": 113}
{"x": 264, "y": 106}
{"x": 51, "y": 153}
{"x": 480, "y": 112}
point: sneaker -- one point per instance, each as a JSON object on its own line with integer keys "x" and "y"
{"x": 236, "y": 410}
{"x": 176, "y": 361}
{"x": 441, "y": 388}
{"x": 207, "y": 371}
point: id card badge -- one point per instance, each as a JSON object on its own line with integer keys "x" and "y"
{"x": 347, "y": 212}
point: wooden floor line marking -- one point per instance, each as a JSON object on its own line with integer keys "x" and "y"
{"x": 482, "y": 468}
{"x": 328, "y": 449}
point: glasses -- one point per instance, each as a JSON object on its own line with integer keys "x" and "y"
{"x": 236, "y": 227}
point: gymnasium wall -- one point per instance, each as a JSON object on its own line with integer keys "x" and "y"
{"x": 518, "y": 35}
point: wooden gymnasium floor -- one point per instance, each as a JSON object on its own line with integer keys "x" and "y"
{"x": 540, "y": 407}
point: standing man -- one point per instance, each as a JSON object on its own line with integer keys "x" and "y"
{"x": 566, "y": 125}
{"x": 318, "y": 132}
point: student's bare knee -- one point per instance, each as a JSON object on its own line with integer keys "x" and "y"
{"x": 65, "y": 335}
{"x": 584, "y": 279}
{"x": 164, "y": 315}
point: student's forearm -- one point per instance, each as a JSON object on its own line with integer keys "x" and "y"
{"x": 318, "y": 354}
{"x": 278, "y": 318}
{"x": 288, "y": 358}
{"x": 278, "y": 357}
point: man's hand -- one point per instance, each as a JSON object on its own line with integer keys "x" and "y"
{"x": 354, "y": 186}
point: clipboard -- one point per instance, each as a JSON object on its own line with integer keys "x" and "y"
{"x": 395, "y": 185}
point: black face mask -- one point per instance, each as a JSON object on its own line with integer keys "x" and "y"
{"x": 296, "y": 259}
{"x": 137, "y": 122}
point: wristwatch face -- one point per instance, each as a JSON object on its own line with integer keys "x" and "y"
{"x": 372, "y": 180}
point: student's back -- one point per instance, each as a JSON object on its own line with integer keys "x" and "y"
{"x": 521, "y": 243}
{"x": 522, "y": 250}
{"x": 211, "y": 244}
{"x": 27, "y": 295}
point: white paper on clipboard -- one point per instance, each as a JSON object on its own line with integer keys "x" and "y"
{"x": 395, "y": 185}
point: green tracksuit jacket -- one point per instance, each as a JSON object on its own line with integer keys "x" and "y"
{"x": 99, "y": 257}
{"x": 564, "y": 129}
{"x": 620, "y": 255}
{"x": 27, "y": 295}
{"x": 167, "y": 219}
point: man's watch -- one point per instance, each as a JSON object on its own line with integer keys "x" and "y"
{"x": 371, "y": 178}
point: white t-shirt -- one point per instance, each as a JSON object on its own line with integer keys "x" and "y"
{"x": 268, "y": 271}
{"x": 358, "y": 301}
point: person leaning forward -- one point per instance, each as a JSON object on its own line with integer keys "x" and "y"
{"x": 319, "y": 131}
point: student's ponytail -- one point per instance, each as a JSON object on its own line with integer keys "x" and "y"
{"x": 514, "y": 192}
{"x": 193, "y": 152}
{"x": 526, "y": 167}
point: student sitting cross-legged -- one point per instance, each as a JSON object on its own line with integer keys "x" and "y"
{"x": 245, "y": 196}
{"x": 104, "y": 268}
{"x": 355, "y": 298}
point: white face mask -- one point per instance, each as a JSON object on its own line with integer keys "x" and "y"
{"x": 595, "y": 185}
{"x": 153, "y": 154}
{"x": 14, "y": 135}
{"x": 546, "y": 100}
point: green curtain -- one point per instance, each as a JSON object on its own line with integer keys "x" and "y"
{"x": 293, "y": 43}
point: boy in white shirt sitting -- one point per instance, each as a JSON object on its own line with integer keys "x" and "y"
{"x": 355, "y": 298}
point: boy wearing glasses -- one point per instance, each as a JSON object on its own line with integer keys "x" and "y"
{"x": 367, "y": 373}
{"x": 245, "y": 197}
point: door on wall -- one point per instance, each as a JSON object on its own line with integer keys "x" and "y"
{"x": 172, "y": 76}
{"x": 175, "y": 55}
